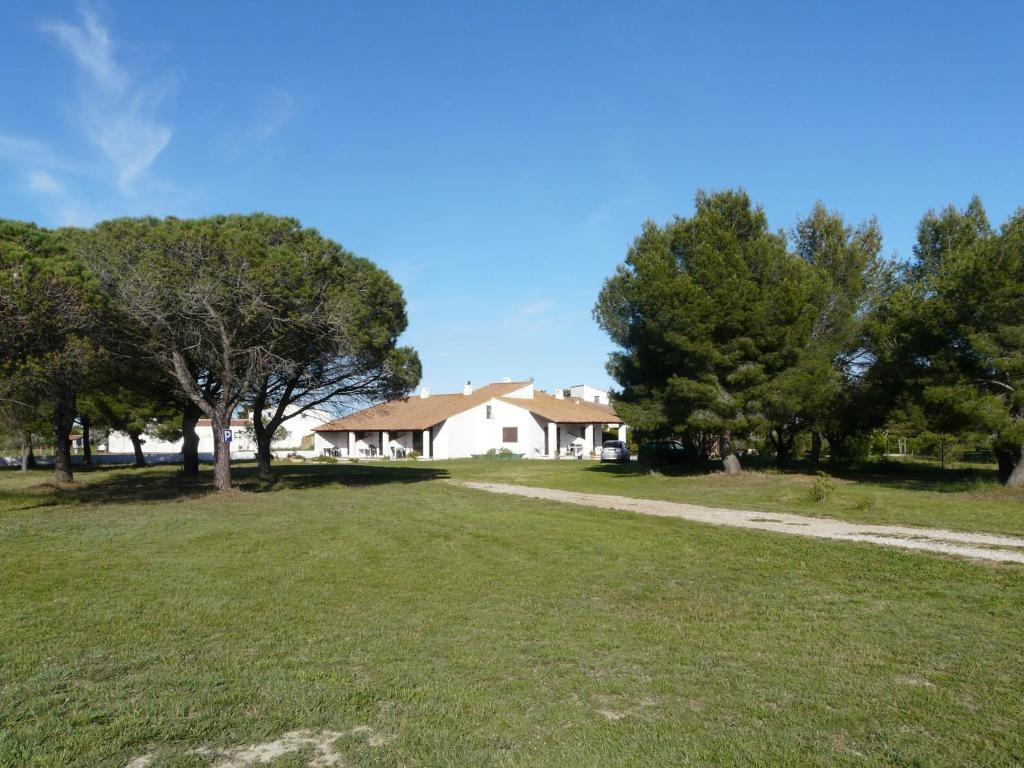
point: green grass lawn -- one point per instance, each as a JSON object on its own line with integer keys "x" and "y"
{"x": 898, "y": 494}
{"x": 138, "y": 616}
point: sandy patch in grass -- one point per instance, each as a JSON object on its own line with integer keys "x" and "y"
{"x": 321, "y": 743}
{"x": 640, "y": 708}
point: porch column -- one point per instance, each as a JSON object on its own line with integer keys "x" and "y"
{"x": 622, "y": 432}
{"x": 426, "y": 444}
{"x": 588, "y": 438}
{"x": 385, "y": 438}
{"x": 351, "y": 444}
{"x": 552, "y": 439}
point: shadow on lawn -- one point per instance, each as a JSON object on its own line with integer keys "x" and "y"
{"x": 109, "y": 485}
{"x": 889, "y": 474}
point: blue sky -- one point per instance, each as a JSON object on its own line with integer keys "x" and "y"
{"x": 499, "y": 160}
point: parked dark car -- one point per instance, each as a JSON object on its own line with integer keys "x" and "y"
{"x": 614, "y": 450}
{"x": 663, "y": 452}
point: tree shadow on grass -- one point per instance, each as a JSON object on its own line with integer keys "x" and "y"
{"x": 639, "y": 469}
{"x": 920, "y": 477}
{"x": 160, "y": 484}
{"x": 298, "y": 476}
{"x": 889, "y": 474}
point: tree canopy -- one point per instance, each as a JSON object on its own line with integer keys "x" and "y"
{"x": 955, "y": 329}
{"x": 707, "y": 312}
{"x": 257, "y": 307}
{"x": 52, "y": 332}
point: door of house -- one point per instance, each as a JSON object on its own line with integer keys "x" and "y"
{"x": 417, "y": 441}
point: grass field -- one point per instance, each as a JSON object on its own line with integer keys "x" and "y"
{"x": 460, "y": 628}
{"x": 967, "y": 499}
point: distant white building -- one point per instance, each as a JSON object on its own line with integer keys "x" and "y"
{"x": 298, "y": 428}
{"x": 509, "y": 414}
{"x": 589, "y": 394}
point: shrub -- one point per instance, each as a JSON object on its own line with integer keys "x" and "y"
{"x": 324, "y": 460}
{"x": 867, "y": 503}
{"x": 823, "y": 488}
{"x": 412, "y": 455}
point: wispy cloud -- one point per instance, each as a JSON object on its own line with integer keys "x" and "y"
{"x": 67, "y": 209}
{"x": 43, "y": 183}
{"x": 91, "y": 46}
{"x": 531, "y": 317}
{"x": 116, "y": 113}
{"x": 276, "y": 109}
{"x": 24, "y": 151}
{"x": 537, "y": 308}
{"x": 598, "y": 216}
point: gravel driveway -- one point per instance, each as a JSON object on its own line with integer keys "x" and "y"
{"x": 983, "y": 546}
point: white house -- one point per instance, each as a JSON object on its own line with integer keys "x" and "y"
{"x": 509, "y": 414}
{"x": 589, "y": 394}
{"x": 298, "y": 427}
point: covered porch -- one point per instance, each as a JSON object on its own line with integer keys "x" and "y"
{"x": 572, "y": 440}
{"x": 377, "y": 444}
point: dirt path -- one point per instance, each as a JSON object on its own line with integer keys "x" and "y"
{"x": 983, "y": 546}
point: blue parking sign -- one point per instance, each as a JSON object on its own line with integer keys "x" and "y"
{"x": 227, "y": 435}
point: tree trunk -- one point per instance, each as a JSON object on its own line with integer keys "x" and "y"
{"x": 730, "y": 461}
{"x": 835, "y": 450}
{"x": 63, "y": 421}
{"x": 140, "y": 458}
{"x": 28, "y": 459}
{"x": 263, "y": 458}
{"x": 783, "y": 446}
{"x": 815, "y": 449}
{"x": 221, "y": 452}
{"x": 264, "y": 436}
{"x": 1004, "y": 458}
{"x": 1015, "y": 478}
{"x": 86, "y": 441}
{"x": 190, "y": 440}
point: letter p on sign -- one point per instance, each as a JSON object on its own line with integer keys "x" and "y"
{"x": 227, "y": 435}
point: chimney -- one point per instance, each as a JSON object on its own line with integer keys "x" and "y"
{"x": 506, "y": 380}
{"x": 559, "y": 393}
{"x": 468, "y": 389}
{"x": 424, "y": 392}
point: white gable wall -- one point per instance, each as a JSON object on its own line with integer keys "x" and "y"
{"x": 471, "y": 432}
{"x": 522, "y": 393}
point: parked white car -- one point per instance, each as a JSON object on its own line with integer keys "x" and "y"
{"x": 614, "y": 450}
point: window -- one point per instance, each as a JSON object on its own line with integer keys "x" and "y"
{"x": 489, "y": 414}
{"x": 510, "y": 434}
{"x": 597, "y": 398}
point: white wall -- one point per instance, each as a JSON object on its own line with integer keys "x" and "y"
{"x": 525, "y": 392}
{"x": 471, "y": 432}
{"x": 298, "y": 426}
{"x": 587, "y": 394}
{"x": 119, "y": 442}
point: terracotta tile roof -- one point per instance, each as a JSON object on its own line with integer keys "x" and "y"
{"x": 419, "y": 412}
{"x": 570, "y": 410}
